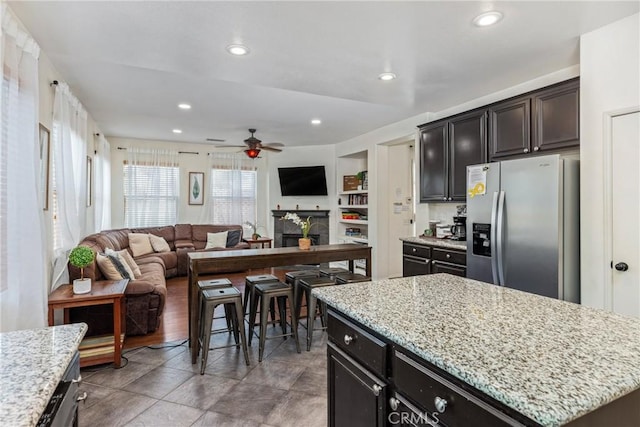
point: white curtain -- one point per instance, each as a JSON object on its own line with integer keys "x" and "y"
{"x": 102, "y": 180}
{"x": 23, "y": 285}
{"x": 69, "y": 148}
{"x": 151, "y": 187}
{"x": 231, "y": 196}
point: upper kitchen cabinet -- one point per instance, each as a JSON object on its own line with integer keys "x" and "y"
{"x": 510, "y": 127}
{"x": 543, "y": 120}
{"x": 447, "y": 147}
{"x": 556, "y": 112}
{"x": 433, "y": 162}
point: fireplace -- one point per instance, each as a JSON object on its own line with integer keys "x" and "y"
{"x": 289, "y": 239}
{"x": 286, "y": 233}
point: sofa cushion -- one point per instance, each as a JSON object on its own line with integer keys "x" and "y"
{"x": 169, "y": 259}
{"x": 140, "y": 244}
{"x": 126, "y": 256}
{"x": 112, "y": 267}
{"x": 233, "y": 238}
{"x": 216, "y": 240}
{"x": 158, "y": 243}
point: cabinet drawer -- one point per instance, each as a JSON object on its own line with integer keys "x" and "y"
{"x": 445, "y": 267}
{"x": 358, "y": 343}
{"x": 449, "y": 256}
{"x": 416, "y": 250}
{"x": 438, "y": 396}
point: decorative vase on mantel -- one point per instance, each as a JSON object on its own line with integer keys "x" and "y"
{"x": 304, "y": 243}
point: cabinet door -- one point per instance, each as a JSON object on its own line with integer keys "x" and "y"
{"x": 467, "y": 146}
{"x": 415, "y": 266}
{"x": 556, "y": 113}
{"x": 510, "y": 128}
{"x": 443, "y": 267}
{"x": 357, "y": 398}
{"x": 433, "y": 162}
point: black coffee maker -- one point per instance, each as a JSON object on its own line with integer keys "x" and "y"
{"x": 459, "y": 228}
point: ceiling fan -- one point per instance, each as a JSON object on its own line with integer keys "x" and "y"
{"x": 255, "y": 145}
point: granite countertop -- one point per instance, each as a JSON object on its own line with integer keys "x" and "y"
{"x": 32, "y": 363}
{"x": 433, "y": 241}
{"x": 550, "y": 360}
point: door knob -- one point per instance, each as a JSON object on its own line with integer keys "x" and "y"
{"x": 622, "y": 266}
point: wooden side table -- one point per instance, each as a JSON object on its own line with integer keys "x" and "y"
{"x": 259, "y": 243}
{"x": 97, "y": 349}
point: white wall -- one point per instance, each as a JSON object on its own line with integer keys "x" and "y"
{"x": 323, "y": 155}
{"x": 609, "y": 81}
{"x": 200, "y": 162}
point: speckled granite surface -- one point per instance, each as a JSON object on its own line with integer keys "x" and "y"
{"x": 443, "y": 243}
{"x": 550, "y": 360}
{"x": 32, "y": 363}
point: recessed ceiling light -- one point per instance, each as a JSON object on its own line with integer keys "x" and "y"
{"x": 387, "y": 76}
{"x": 177, "y": 131}
{"x": 488, "y": 18}
{"x": 184, "y": 106}
{"x": 316, "y": 121}
{"x": 237, "y": 49}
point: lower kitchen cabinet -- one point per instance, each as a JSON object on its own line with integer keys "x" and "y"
{"x": 419, "y": 259}
{"x": 444, "y": 267}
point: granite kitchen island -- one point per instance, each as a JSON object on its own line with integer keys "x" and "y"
{"x": 32, "y": 364}
{"x": 520, "y": 358}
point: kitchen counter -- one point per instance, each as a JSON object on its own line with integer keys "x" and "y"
{"x": 32, "y": 363}
{"x": 550, "y": 360}
{"x": 433, "y": 241}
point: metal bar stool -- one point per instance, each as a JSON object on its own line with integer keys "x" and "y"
{"x": 264, "y": 294}
{"x": 306, "y": 286}
{"x": 216, "y": 284}
{"x": 250, "y": 283}
{"x": 232, "y": 299}
{"x": 332, "y": 272}
{"x": 344, "y": 278}
{"x": 293, "y": 278}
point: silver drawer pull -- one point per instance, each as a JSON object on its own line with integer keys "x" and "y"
{"x": 348, "y": 339}
{"x": 394, "y": 403}
{"x": 377, "y": 389}
{"x": 77, "y": 380}
{"x": 82, "y": 397}
{"x": 448, "y": 256}
{"x": 441, "y": 404}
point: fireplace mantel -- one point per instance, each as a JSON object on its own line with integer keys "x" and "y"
{"x": 302, "y": 213}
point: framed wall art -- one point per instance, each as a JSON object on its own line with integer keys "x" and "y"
{"x": 196, "y": 188}
{"x": 44, "y": 139}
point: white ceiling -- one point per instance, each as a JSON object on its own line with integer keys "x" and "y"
{"x": 131, "y": 63}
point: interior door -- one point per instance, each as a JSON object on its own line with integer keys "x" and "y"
{"x": 625, "y": 215}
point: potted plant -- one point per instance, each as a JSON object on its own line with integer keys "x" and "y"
{"x": 254, "y": 230}
{"x": 81, "y": 257}
{"x": 305, "y": 242}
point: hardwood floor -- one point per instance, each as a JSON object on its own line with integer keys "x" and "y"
{"x": 175, "y": 319}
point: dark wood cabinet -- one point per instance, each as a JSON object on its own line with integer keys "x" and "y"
{"x": 445, "y": 267}
{"x": 556, "y": 113}
{"x": 418, "y": 259}
{"x": 447, "y": 147}
{"x": 467, "y": 146}
{"x": 433, "y": 162}
{"x": 415, "y": 266}
{"x": 510, "y": 128}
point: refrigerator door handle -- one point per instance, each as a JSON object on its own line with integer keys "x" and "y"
{"x": 500, "y": 238}
{"x": 494, "y": 240}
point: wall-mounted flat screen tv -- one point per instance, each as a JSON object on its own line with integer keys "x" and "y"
{"x": 303, "y": 181}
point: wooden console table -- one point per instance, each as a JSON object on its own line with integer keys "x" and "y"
{"x": 98, "y": 349}
{"x": 222, "y": 261}
{"x": 259, "y": 243}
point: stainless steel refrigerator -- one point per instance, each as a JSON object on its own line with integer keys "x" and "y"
{"x": 523, "y": 225}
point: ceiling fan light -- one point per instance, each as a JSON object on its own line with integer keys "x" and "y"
{"x": 237, "y": 49}
{"x": 252, "y": 152}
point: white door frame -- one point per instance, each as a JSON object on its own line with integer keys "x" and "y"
{"x": 607, "y": 158}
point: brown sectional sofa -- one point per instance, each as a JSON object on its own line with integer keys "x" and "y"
{"x": 146, "y": 295}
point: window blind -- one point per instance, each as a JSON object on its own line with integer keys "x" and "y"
{"x": 151, "y": 195}
{"x": 233, "y": 194}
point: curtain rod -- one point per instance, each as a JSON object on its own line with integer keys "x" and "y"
{"x": 179, "y": 152}
{"x": 54, "y": 83}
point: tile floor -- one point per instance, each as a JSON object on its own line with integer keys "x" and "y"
{"x": 162, "y": 388}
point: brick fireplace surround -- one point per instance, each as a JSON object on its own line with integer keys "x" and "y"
{"x": 286, "y": 233}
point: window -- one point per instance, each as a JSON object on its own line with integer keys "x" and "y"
{"x": 233, "y": 195}
{"x": 151, "y": 195}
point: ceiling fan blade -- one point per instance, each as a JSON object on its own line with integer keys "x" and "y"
{"x": 215, "y": 140}
{"x": 269, "y": 148}
{"x": 275, "y": 144}
{"x": 231, "y": 146}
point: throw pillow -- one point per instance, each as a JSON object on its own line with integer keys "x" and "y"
{"x": 158, "y": 243}
{"x": 130, "y": 272}
{"x": 233, "y": 237}
{"x": 216, "y": 240}
{"x": 111, "y": 267}
{"x": 124, "y": 254}
{"x": 140, "y": 244}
